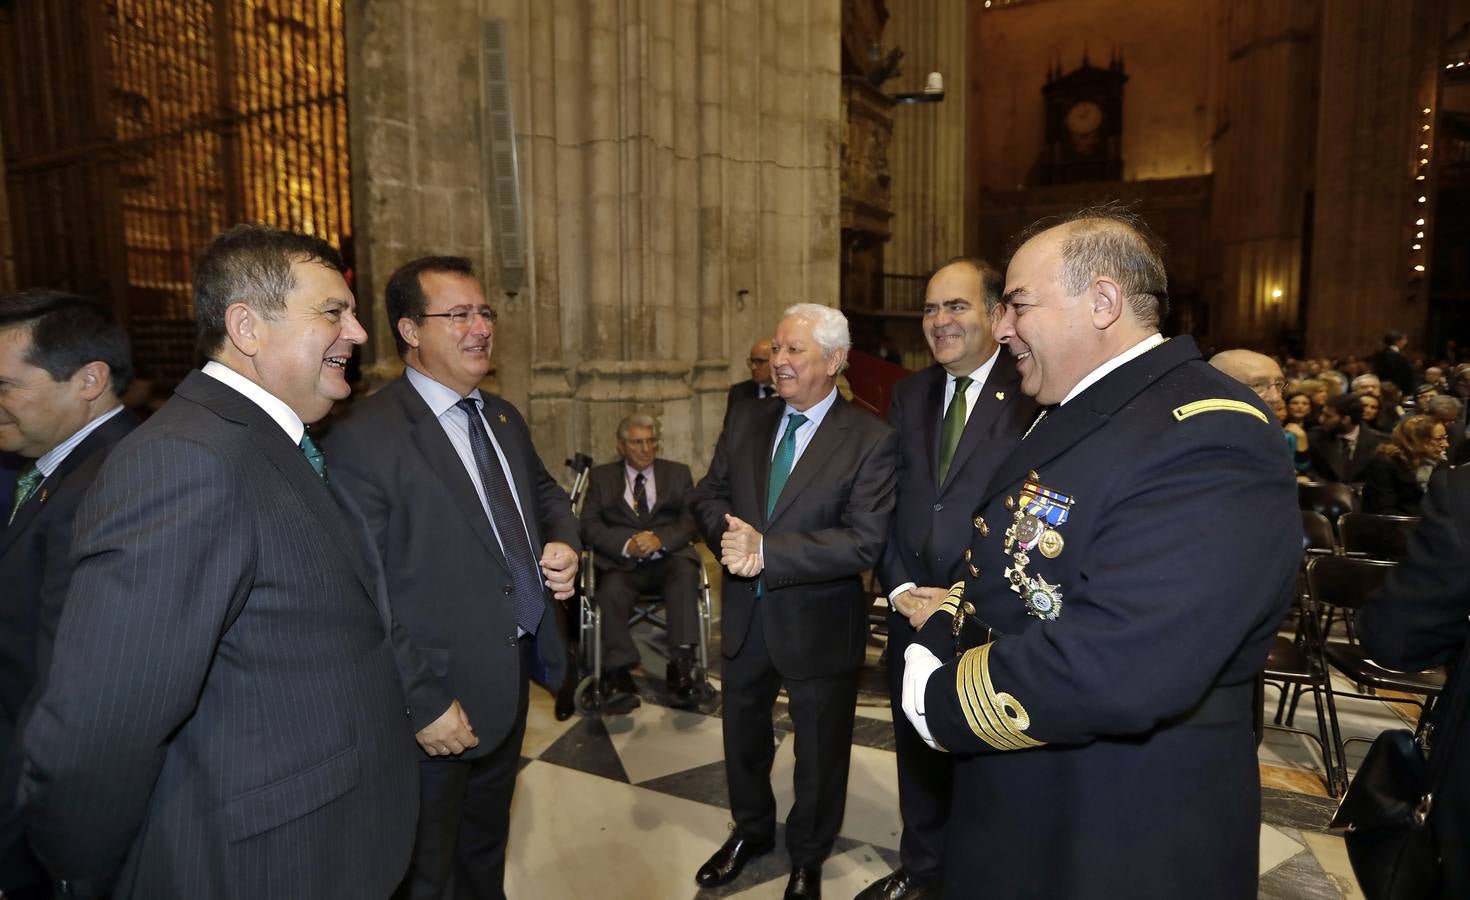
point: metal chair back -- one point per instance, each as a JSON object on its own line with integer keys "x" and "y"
{"x": 1375, "y": 536}
{"x": 1329, "y": 498}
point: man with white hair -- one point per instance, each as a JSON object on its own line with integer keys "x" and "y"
{"x": 797, "y": 502}
{"x": 1368, "y": 383}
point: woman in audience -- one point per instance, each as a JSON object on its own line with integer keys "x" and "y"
{"x": 1296, "y": 434}
{"x": 1390, "y": 410}
{"x": 1394, "y": 480}
{"x": 1300, "y": 410}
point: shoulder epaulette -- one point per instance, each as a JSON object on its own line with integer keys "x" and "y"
{"x": 1221, "y": 405}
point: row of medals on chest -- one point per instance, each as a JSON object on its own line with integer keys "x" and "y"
{"x": 1027, "y": 532}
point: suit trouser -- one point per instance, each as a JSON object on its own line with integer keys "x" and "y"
{"x": 464, "y": 816}
{"x": 675, "y": 577}
{"x": 925, "y": 775}
{"x": 822, "y": 711}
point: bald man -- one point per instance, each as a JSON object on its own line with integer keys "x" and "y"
{"x": 1256, "y": 371}
{"x": 1093, "y": 672}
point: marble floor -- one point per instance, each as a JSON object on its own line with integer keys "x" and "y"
{"x": 629, "y": 806}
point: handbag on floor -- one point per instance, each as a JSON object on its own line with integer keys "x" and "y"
{"x": 1386, "y": 810}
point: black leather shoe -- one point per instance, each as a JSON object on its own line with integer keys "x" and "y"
{"x": 725, "y": 866}
{"x": 683, "y": 692}
{"x": 899, "y": 883}
{"x": 619, "y": 693}
{"x": 566, "y": 698}
{"x": 805, "y": 884}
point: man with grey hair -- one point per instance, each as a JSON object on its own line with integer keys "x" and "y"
{"x": 1094, "y": 670}
{"x": 1367, "y": 383}
{"x": 797, "y": 501}
{"x": 637, "y": 518}
{"x": 1448, "y": 411}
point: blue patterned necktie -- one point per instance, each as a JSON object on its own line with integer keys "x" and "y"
{"x": 25, "y": 486}
{"x": 530, "y": 592}
{"x": 781, "y": 463}
{"x": 314, "y": 455}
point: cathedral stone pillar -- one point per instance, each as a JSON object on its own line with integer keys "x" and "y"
{"x": 927, "y": 156}
{"x": 1379, "y": 68}
{"x": 1263, "y": 164}
{"x": 679, "y": 182}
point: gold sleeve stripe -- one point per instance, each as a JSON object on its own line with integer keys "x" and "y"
{"x": 1203, "y": 406}
{"x": 996, "y": 718}
{"x": 973, "y": 705}
{"x": 951, "y": 602}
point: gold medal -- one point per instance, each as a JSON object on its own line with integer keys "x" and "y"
{"x": 1051, "y": 543}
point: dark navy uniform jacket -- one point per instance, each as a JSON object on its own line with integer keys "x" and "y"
{"x": 1104, "y": 748}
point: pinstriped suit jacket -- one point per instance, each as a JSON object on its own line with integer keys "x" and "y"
{"x": 224, "y": 716}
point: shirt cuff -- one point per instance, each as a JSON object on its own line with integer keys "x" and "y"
{"x": 906, "y": 586}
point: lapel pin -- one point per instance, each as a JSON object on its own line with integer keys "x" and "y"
{"x": 502, "y": 419}
{"x": 45, "y": 492}
{"x": 1000, "y": 395}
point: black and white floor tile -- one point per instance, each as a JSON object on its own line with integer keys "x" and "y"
{"x": 631, "y": 805}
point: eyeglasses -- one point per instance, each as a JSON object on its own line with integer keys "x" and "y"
{"x": 641, "y": 442}
{"x": 461, "y": 317}
{"x": 1263, "y": 387}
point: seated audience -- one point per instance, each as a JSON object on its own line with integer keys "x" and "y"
{"x": 1367, "y": 383}
{"x": 1300, "y": 410}
{"x": 1448, "y": 411}
{"x": 1371, "y": 408}
{"x": 1395, "y": 477}
{"x": 1390, "y": 407}
{"x": 1421, "y": 618}
{"x": 1423, "y": 394}
{"x": 636, "y": 519}
{"x": 1341, "y": 447}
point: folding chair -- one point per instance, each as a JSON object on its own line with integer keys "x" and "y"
{"x": 1375, "y": 536}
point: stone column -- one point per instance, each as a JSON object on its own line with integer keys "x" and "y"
{"x": 678, "y": 165}
{"x": 927, "y": 155}
{"x": 1263, "y": 164}
{"x": 1379, "y": 68}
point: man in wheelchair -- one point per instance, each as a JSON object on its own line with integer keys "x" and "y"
{"x": 636, "y": 522}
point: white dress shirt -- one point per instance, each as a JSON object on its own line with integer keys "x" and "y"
{"x": 273, "y": 406}
{"x": 52, "y": 459}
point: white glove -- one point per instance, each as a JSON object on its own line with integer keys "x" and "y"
{"x": 918, "y": 665}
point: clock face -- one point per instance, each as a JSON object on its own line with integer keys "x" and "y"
{"x": 1084, "y": 117}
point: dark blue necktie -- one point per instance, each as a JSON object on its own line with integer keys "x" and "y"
{"x": 530, "y": 592}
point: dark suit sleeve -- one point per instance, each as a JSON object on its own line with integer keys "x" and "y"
{"x": 810, "y": 556}
{"x": 710, "y": 499}
{"x": 428, "y": 696}
{"x": 681, "y": 532}
{"x": 1168, "y": 603}
{"x": 607, "y": 540}
{"x": 1419, "y": 617}
{"x": 892, "y": 568}
{"x": 156, "y": 577}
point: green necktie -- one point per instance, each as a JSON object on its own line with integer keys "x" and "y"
{"x": 782, "y": 461}
{"x": 314, "y": 455}
{"x": 25, "y": 486}
{"x": 954, "y": 426}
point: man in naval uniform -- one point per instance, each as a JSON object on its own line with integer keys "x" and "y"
{"x": 1130, "y": 562}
